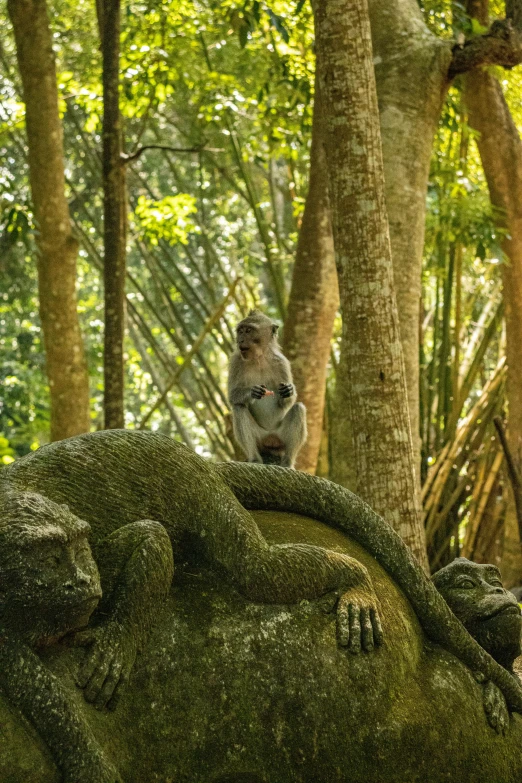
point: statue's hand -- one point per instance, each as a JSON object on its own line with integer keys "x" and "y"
{"x": 495, "y": 706}
{"x": 358, "y": 623}
{"x": 108, "y": 662}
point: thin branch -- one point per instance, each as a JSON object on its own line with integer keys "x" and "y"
{"x": 513, "y": 471}
{"x": 216, "y": 315}
{"x": 128, "y": 158}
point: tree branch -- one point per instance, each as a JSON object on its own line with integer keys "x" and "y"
{"x": 128, "y": 158}
{"x": 501, "y": 45}
{"x": 513, "y": 471}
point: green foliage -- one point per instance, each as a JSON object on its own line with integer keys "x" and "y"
{"x": 167, "y": 219}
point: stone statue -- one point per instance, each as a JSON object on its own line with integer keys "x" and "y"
{"x": 491, "y": 614}
{"x": 144, "y": 495}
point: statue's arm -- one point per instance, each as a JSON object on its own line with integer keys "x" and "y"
{"x": 43, "y": 700}
{"x": 136, "y": 568}
{"x": 287, "y": 573}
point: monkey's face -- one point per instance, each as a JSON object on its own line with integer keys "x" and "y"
{"x": 254, "y": 334}
{"x": 50, "y": 585}
{"x": 249, "y": 341}
{"x": 490, "y": 614}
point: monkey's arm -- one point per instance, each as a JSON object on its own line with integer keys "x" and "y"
{"x": 286, "y": 394}
{"x": 43, "y": 700}
{"x": 288, "y": 573}
{"x": 136, "y": 569}
{"x": 264, "y": 487}
{"x": 238, "y": 392}
{"x": 241, "y": 395}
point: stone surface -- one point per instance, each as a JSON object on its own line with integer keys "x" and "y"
{"x": 229, "y": 691}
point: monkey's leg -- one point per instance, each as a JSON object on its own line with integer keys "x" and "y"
{"x": 248, "y": 432}
{"x": 287, "y": 573}
{"x": 293, "y": 433}
{"x": 136, "y": 568}
{"x": 43, "y": 700}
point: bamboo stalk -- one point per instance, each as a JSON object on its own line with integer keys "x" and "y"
{"x": 492, "y": 386}
{"x": 216, "y": 315}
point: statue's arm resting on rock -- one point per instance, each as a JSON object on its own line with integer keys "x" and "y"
{"x": 40, "y": 696}
{"x": 136, "y": 569}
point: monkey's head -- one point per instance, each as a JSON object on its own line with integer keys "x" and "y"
{"x": 49, "y": 582}
{"x": 254, "y": 334}
{"x": 489, "y": 613}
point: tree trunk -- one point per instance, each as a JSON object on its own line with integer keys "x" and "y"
{"x": 411, "y": 67}
{"x": 373, "y": 370}
{"x": 114, "y": 210}
{"x": 314, "y": 298}
{"x": 57, "y": 248}
{"x": 500, "y": 150}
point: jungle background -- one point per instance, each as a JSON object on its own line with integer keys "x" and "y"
{"x": 223, "y": 204}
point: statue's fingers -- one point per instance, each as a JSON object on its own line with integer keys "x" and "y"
{"x": 88, "y": 667}
{"x": 96, "y": 681}
{"x": 366, "y": 630}
{"x": 355, "y": 629}
{"x": 488, "y": 698}
{"x": 122, "y": 682}
{"x": 343, "y": 622}
{"x": 109, "y": 686}
{"x": 377, "y": 627}
{"x": 501, "y": 711}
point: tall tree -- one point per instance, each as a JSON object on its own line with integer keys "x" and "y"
{"x": 314, "y": 297}
{"x": 371, "y": 371}
{"x": 114, "y": 216}
{"x": 57, "y": 247}
{"x": 500, "y": 150}
{"x": 413, "y": 70}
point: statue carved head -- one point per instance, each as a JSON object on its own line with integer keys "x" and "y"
{"x": 489, "y": 613}
{"x": 49, "y": 582}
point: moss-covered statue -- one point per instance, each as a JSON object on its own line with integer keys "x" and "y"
{"x": 138, "y": 497}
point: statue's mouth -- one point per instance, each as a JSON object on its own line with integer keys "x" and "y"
{"x": 513, "y": 609}
{"x": 87, "y": 604}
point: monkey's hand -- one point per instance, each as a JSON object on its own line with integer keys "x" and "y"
{"x": 108, "y": 662}
{"x": 286, "y": 390}
{"x": 494, "y": 703}
{"x": 258, "y": 391}
{"x": 358, "y": 623}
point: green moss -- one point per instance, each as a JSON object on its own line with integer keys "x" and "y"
{"x": 262, "y": 693}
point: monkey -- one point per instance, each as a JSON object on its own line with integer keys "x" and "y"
{"x": 268, "y": 423}
{"x": 142, "y": 494}
{"x": 490, "y": 614}
{"x": 49, "y": 587}
{"x": 54, "y": 588}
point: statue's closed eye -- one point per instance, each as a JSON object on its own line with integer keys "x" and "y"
{"x": 51, "y": 560}
{"x": 465, "y": 584}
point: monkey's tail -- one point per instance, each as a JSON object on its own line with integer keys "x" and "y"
{"x": 270, "y": 488}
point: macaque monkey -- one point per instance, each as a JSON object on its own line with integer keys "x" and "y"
{"x": 267, "y": 420}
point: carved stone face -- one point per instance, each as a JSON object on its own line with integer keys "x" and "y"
{"x": 49, "y": 582}
{"x": 490, "y": 613}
